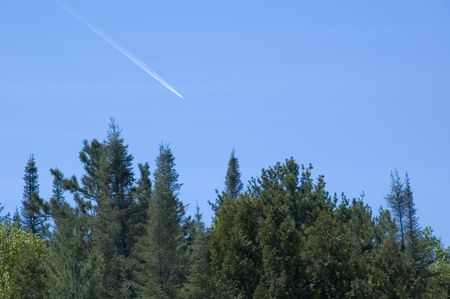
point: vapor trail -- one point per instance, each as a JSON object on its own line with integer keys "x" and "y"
{"x": 121, "y": 49}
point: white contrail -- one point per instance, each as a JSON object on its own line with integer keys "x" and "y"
{"x": 121, "y": 49}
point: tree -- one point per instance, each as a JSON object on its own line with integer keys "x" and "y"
{"x": 396, "y": 202}
{"x": 233, "y": 183}
{"x": 413, "y": 242}
{"x": 161, "y": 253}
{"x": 142, "y": 194}
{"x": 2, "y": 218}
{"x": 33, "y": 208}
{"x": 71, "y": 263}
{"x": 111, "y": 180}
{"x": 392, "y": 273}
{"x": 198, "y": 284}
{"x": 22, "y": 259}
{"x": 438, "y": 258}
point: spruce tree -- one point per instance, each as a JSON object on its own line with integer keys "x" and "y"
{"x": 198, "y": 285}
{"x": 412, "y": 225}
{"x": 2, "y": 218}
{"x": 140, "y": 214}
{"x": 161, "y": 253}
{"x": 233, "y": 183}
{"x": 396, "y": 202}
{"x": 33, "y": 208}
{"x": 71, "y": 268}
{"x": 391, "y": 271}
{"x": 16, "y": 222}
{"x": 112, "y": 181}
{"x": 142, "y": 194}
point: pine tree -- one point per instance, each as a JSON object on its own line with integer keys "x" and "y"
{"x": 2, "y": 218}
{"x": 161, "y": 252}
{"x": 111, "y": 182}
{"x": 391, "y": 271}
{"x": 33, "y": 208}
{"x": 70, "y": 265}
{"x": 396, "y": 202}
{"x": 142, "y": 195}
{"x": 233, "y": 183}
{"x": 16, "y": 222}
{"x": 412, "y": 226}
{"x": 198, "y": 285}
{"x": 140, "y": 209}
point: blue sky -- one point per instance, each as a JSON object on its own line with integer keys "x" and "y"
{"x": 356, "y": 88}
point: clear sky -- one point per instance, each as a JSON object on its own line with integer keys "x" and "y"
{"x": 356, "y": 88}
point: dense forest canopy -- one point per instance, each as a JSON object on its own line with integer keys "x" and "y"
{"x": 112, "y": 233}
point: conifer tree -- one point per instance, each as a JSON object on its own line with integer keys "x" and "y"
{"x": 140, "y": 214}
{"x": 391, "y": 272}
{"x": 16, "y": 222}
{"x": 142, "y": 194}
{"x": 198, "y": 285}
{"x": 33, "y": 208}
{"x": 412, "y": 225}
{"x": 161, "y": 252}
{"x": 71, "y": 269}
{"x": 2, "y": 218}
{"x": 396, "y": 202}
{"x": 112, "y": 182}
{"x": 233, "y": 184}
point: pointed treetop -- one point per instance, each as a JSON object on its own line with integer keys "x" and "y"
{"x": 233, "y": 184}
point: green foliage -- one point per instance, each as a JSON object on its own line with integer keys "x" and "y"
{"x": 33, "y": 209}
{"x": 161, "y": 252}
{"x": 22, "y": 259}
{"x": 198, "y": 284}
{"x": 284, "y": 237}
{"x": 73, "y": 267}
{"x": 233, "y": 184}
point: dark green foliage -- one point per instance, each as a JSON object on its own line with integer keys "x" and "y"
{"x": 2, "y": 218}
{"x": 161, "y": 253}
{"x": 413, "y": 241}
{"x": 284, "y": 237}
{"x": 73, "y": 270}
{"x": 109, "y": 180}
{"x": 396, "y": 202}
{"x": 33, "y": 211}
{"x": 198, "y": 284}
{"x": 233, "y": 184}
{"x": 140, "y": 207}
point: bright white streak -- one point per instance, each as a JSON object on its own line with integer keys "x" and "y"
{"x": 121, "y": 49}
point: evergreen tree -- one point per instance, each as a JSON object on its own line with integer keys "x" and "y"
{"x": 233, "y": 184}
{"x": 2, "y": 218}
{"x": 392, "y": 272}
{"x": 112, "y": 182}
{"x": 396, "y": 202}
{"x": 142, "y": 194}
{"x": 140, "y": 210}
{"x": 16, "y": 222}
{"x": 70, "y": 265}
{"x": 414, "y": 245}
{"x": 198, "y": 285}
{"x": 161, "y": 252}
{"x": 33, "y": 208}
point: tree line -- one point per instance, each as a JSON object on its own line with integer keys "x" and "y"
{"x": 113, "y": 234}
